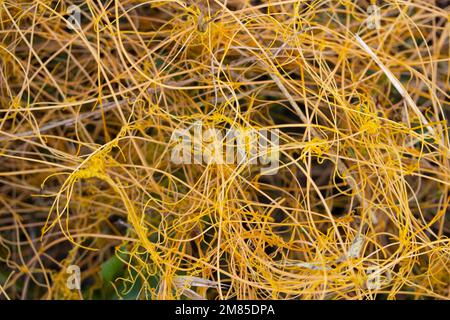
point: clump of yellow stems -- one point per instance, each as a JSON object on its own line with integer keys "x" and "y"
{"x": 357, "y": 210}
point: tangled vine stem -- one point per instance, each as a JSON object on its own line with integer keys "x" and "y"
{"x": 92, "y": 92}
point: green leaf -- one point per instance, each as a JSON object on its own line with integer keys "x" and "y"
{"x": 112, "y": 268}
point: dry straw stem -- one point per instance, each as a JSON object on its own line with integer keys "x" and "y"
{"x": 358, "y": 207}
